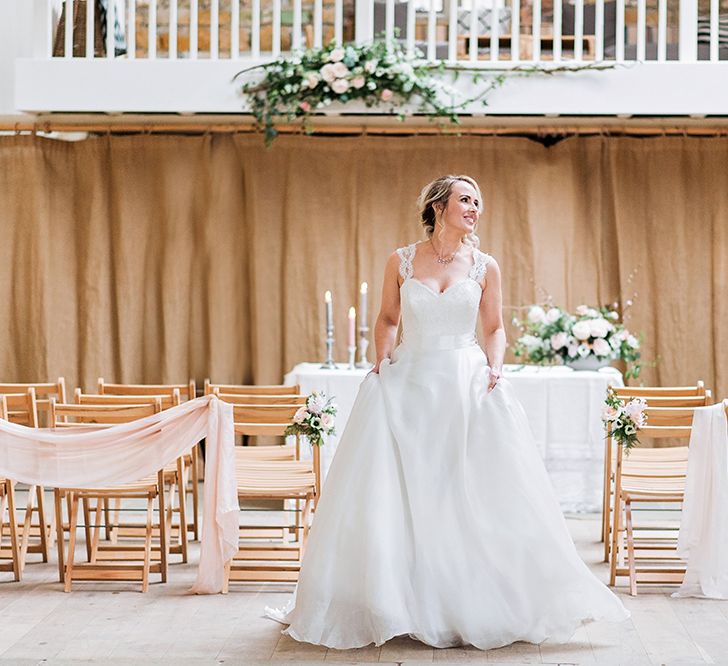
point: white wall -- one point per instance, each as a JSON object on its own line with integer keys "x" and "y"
{"x": 17, "y": 40}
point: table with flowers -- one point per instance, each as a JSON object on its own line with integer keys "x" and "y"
{"x": 564, "y": 408}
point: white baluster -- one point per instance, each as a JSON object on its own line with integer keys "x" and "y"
{"x": 235, "y": 29}
{"x": 389, "y": 20}
{"x": 662, "y": 30}
{"x": 688, "y": 30}
{"x": 641, "y": 28}
{"x": 68, "y": 31}
{"x": 494, "y": 30}
{"x": 411, "y": 26}
{"x": 318, "y": 24}
{"x": 536, "y": 30}
{"x": 90, "y": 22}
{"x": 255, "y": 29}
{"x": 215, "y": 29}
{"x": 515, "y": 30}
{"x": 714, "y": 15}
{"x": 620, "y": 31}
{"x": 296, "y": 39}
{"x": 173, "y": 29}
{"x": 194, "y": 29}
{"x": 558, "y": 16}
{"x": 276, "y": 27}
{"x": 431, "y": 27}
{"x": 473, "y": 36}
{"x": 599, "y": 30}
{"x": 452, "y": 31}
{"x": 579, "y": 30}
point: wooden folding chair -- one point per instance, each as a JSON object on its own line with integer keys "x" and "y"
{"x": 44, "y": 391}
{"x": 192, "y": 459}
{"x": 656, "y": 396}
{"x": 7, "y": 504}
{"x": 109, "y": 561}
{"x": 175, "y": 474}
{"x": 272, "y": 473}
{"x": 34, "y": 537}
{"x": 650, "y": 475}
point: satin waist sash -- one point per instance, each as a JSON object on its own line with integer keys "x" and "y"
{"x": 438, "y": 342}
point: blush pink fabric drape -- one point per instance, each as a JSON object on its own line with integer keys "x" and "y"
{"x": 127, "y": 452}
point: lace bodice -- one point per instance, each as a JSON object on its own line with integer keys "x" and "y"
{"x": 428, "y": 315}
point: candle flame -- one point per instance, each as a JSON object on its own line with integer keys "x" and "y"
{"x": 364, "y": 287}
{"x": 352, "y": 312}
{"x": 327, "y": 297}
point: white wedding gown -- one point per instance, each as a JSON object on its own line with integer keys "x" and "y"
{"x": 437, "y": 518}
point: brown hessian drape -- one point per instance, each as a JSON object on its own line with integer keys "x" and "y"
{"x": 158, "y": 258}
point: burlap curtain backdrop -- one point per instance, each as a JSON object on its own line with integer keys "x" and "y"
{"x": 159, "y": 258}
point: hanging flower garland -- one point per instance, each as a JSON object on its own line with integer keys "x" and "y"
{"x": 379, "y": 73}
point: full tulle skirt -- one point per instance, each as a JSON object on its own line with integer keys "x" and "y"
{"x": 438, "y": 520}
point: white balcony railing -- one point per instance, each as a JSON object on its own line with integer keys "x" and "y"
{"x": 496, "y": 31}
{"x": 670, "y": 56}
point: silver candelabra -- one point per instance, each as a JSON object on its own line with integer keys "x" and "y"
{"x": 363, "y": 344}
{"x": 329, "y": 363}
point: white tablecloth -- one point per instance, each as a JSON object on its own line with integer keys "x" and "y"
{"x": 563, "y": 408}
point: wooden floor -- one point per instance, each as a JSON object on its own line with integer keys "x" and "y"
{"x": 115, "y": 624}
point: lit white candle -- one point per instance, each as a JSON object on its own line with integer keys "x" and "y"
{"x": 363, "y": 304}
{"x": 352, "y": 327}
{"x": 329, "y": 310}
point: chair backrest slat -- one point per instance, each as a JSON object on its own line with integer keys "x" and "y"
{"x": 166, "y": 400}
{"x": 252, "y": 389}
{"x": 43, "y": 392}
{"x": 186, "y": 391}
{"x": 22, "y": 407}
{"x": 73, "y": 415}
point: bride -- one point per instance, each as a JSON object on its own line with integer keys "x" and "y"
{"x": 437, "y": 519}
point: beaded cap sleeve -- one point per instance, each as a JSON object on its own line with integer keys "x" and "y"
{"x": 480, "y": 265}
{"x": 406, "y": 257}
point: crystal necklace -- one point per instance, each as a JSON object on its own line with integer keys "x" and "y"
{"x": 441, "y": 259}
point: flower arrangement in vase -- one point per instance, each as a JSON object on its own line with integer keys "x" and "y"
{"x": 588, "y": 339}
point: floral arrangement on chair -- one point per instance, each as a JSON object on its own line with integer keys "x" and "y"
{"x": 625, "y": 418}
{"x": 550, "y": 333}
{"x": 314, "y": 419}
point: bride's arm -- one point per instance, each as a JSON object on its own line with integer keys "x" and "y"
{"x": 385, "y": 329}
{"x": 491, "y": 315}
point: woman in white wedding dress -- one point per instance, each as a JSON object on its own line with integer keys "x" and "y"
{"x": 437, "y": 518}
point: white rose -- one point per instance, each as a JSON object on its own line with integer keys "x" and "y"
{"x": 601, "y": 347}
{"x": 530, "y": 341}
{"x": 327, "y": 421}
{"x": 336, "y": 55}
{"x": 340, "y": 69}
{"x": 609, "y": 414}
{"x": 633, "y": 342}
{"x": 581, "y": 330}
{"x": 300, "y": 415}
{"x": 572, "y": 351}
{"x": 553, "y": 315}
{"x": 327, "y": 73}
{"x": 582, "y": 310}
{"x": 584, "y": 350}
{"x": 370, "y": 65}
{"x": 599, "y": 327}
{"x": 312, "y": 79}
{"x": 559, "y": 340}
{"x": 615, "y": 342}
{"x": 536, "y": 315}
{"x": 340, "y": 86}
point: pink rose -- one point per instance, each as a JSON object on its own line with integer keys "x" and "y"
{"x": 327, "y": 421}
{"x": 559, "y": 340}
{"x": 387, "y": 94}
{"x": 300, "y": 415}
{"x": 336, "y": 55}
{"x": 610, "y": 414}
{"x": 358, "y": 81}
{"x": 304, "y": 106}
{"x": 601, "y": 347}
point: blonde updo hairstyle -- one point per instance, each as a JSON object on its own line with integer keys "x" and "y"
{"x": 438, "y": 192}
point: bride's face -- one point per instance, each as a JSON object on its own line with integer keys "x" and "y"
{"x": 462, "y": 211}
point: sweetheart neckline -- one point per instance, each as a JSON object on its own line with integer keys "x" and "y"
{"x": 439, "y": 293}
